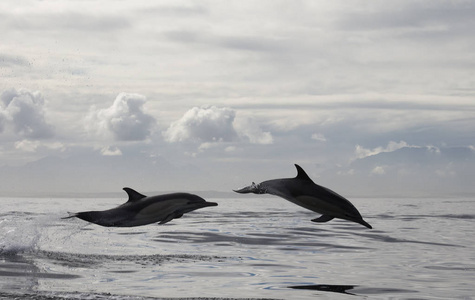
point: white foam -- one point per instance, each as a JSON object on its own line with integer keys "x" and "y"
{"x": 20, "y": 233}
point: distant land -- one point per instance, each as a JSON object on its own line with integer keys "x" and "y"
{"x": 406, "y": 172}
{"x": 119, "y": 194}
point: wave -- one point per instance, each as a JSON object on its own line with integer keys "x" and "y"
{"x": 97, "y": 296}
{"x": 74, "y": 260}
{"x": 407, "y": 217}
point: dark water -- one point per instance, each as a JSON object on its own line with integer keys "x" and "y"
{"x": 244, "y": 248}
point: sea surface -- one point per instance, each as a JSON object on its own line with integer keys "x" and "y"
{"x": 259, "y": 247}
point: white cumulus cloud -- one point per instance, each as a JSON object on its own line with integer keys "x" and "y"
{"x": 125, "y": 119}
{"x": 205, "y": 124}
{"x": 24, "y": 112}
{"x": 213, "y": 125}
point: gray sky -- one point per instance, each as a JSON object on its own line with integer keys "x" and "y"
{"x": 369, "y": 97}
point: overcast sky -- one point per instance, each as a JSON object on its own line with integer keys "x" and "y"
{"x": 369, "y": 97}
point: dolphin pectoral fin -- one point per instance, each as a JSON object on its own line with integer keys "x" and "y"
{"x": 323, "y": 219}
{"x": 366, "y": 224}
{"x": 169, "y": 218}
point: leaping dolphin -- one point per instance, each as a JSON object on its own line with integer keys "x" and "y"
{"x": 302, "y": 191}
{"x": 142, "y": 210}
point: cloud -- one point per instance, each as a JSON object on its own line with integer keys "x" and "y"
{"x": 64, "y": 20}
{"x": 7, "y": 60}
{"x": 24, "y": 112}
{"x": 409, "y": 15}
{"x": 27, "y": 145}
{"x": 250, "y": 129}
{"x": 111, "y": 151}
{"x": 230, "y": 149}
{"x": 319, "y": 137}
{"x": 125, "y": 119}
{"x": 378, "y": 170}
{"x": 253, "y": 43}
{"x": 175, "y": 11}
{"x": 2, "y": 121}
{"x": 207, "y": 125}
{"x": 33, "y": 146}
{"x": 392, "y": 146}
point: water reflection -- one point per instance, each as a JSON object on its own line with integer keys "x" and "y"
{"x": 325, "y": 288}
{"x": 18, "y": 271}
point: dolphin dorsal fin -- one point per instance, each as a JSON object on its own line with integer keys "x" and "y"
{"x": 133, "y": 195}
{"x": 301, "y": 174}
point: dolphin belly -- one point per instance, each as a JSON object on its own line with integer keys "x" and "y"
{"x": 318, "y": 205}
{"x": 166, "y": 210}
{"x": 107, "y": 218}
{"x": 329, "y": 210}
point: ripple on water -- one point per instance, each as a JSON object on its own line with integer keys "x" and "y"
{"x": 88, "y": 260}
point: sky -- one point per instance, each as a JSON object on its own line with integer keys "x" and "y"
{"x": 370, "y": 98}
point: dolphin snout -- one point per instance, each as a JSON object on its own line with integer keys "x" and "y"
{"x": 253, "y": 188}
{"x": 244, "y": 190}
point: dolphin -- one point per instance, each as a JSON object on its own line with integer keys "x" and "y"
{"x": 142, "y": 210}
{"x": 302, "y": 191}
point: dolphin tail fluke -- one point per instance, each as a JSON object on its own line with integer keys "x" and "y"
{"x": 71, "y": 215}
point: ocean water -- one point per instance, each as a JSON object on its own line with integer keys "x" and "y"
{"x": 260, "y": 247}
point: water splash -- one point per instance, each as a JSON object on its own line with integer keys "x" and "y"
{"x": 20, "y": 233}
